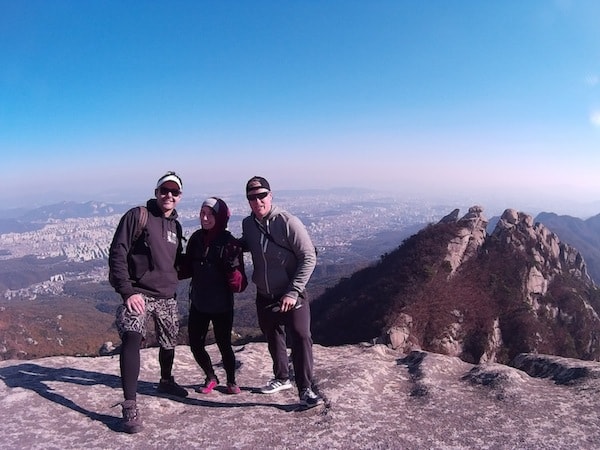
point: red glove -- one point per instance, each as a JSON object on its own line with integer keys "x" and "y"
{"x": 237, "y": 281}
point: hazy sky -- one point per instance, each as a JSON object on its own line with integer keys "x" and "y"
{"x": 432, "y": 96}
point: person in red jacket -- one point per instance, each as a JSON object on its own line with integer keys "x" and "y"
{"x": 143, "y": 271}
{"x": 214, "y": 260}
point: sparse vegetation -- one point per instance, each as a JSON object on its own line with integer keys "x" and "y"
{"x": 414, "y": 280}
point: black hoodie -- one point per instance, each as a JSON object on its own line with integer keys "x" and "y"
{"x": 147, "y": 265}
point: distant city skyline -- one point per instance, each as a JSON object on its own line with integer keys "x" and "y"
{"x": 463, "y": 99}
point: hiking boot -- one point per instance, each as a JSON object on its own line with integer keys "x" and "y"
{"x": 132, "y": 423}
{"x": 276, "y": 385}
{"x": 308, "y": 398}
{"x": 170, "y": 387}
{"x": 209, "y": 384}
{"x": 233, "y": 388}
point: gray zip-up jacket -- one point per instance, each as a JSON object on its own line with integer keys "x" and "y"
{"x": 282, "y": 252}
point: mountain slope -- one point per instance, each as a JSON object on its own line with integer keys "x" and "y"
{"x": 454, "y": 289}
{"x": 581, "y": 234}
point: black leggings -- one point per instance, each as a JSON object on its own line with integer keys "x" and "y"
{"x": 129, "y": 363}
{"x": 222, "y": 325}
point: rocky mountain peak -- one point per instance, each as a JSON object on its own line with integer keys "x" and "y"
{"x": 454, "y": 289}
{"x": 470, "y": 236}
{"x": 544, "y": 245}
{"x": 550, "y": 256}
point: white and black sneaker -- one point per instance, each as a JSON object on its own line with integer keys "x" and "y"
{"x": 275, "y": 385}
{"x": 309, "y": 399}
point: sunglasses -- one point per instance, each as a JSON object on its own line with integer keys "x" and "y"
{"x": 174, "y": 192}
{"x": 260, "y": 196}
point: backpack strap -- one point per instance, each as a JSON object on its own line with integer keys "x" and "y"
{"x": 180, "y": 235}
{"x": 143, "y": 220}
{"x": 270, "y": 238}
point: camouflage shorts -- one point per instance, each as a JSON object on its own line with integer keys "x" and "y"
{"x": 162, "y": 311}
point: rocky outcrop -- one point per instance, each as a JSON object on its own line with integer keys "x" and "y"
{"x": 541, "y": 258}
{"x": 108, "y": 348}
{"x": 459, "y": 291}
{"x": 550, "y": 256}
{"x": 470, "y": 236}
{"x": 375, "y": 398}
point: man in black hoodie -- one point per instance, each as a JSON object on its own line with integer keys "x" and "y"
{"x": 143, "y": 271}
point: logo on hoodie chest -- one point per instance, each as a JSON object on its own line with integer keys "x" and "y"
{"x": 171, "y": 237}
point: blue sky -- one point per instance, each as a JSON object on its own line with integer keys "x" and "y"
{"x": 434, "y": 97}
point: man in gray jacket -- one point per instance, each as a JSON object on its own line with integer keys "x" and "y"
{"x": 284, "y": 258}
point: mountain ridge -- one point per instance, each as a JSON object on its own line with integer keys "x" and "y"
{"x": 581, "y": 234}
{"x": 453, "y": 289}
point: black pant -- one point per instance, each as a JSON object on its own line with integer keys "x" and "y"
{"x": 274, "y": 325}
{"x": 129, "y": 363}
{"x": 197, "y": 331}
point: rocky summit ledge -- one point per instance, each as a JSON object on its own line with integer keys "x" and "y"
{"x": 375, "y": 398}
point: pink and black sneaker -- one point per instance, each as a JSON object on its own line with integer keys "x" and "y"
{"x": 209, "y": 385}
